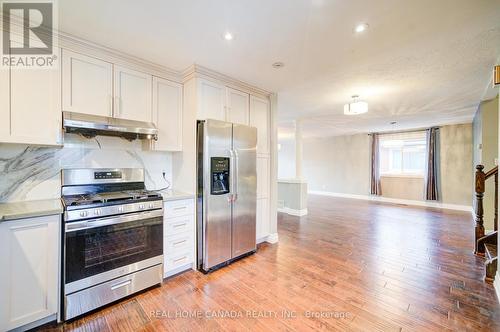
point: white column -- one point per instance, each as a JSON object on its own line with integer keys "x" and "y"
{"x": 298, "y": 149}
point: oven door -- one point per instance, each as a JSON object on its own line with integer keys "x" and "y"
{"x": 106, "y": 248}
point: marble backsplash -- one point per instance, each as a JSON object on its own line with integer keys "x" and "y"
{"x": 33, "y": 172}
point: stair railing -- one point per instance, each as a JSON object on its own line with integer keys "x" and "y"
{"x": 480, "y": 237}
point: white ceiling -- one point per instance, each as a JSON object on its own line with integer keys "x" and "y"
{"x": 420, "y": 63}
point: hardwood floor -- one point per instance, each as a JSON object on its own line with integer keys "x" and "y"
{"x": 349, "y": 265}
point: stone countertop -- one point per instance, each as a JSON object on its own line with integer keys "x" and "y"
{"x": 30, "y": 209}
{"x": 174, "y": 195}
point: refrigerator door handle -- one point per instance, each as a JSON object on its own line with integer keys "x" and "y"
{"x": 232, "y": 169}
{"x": 235, "y": 181}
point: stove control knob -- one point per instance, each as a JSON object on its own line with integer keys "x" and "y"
{"x": 141, "y": 206}
{"x": 151, "y": 205}
{"x": 97, "y": 212}
{"x": 120, "y": 209}
{"x": 83, "y": 214}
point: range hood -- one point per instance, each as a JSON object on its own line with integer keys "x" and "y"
{"x": 93, "y": 125}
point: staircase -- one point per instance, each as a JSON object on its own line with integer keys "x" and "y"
{"x": 486, "y": 244}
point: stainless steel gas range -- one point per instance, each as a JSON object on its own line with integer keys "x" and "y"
{"x": 113, "y": 237}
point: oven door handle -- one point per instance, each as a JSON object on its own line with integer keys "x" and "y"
{"x": 94, "y": 223}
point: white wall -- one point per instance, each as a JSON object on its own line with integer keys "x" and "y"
{"x": 338, "y": 164}
{"x": 286, "y": 158}
{"x": 341, "y": 164}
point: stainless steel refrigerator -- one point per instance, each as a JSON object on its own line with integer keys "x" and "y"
{"x": 227, "y": 192}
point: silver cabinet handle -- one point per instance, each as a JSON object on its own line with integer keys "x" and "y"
{"x": 180, "y": 259}
{"x": 121, "y": 284}
{"x": 179, "y": 242}
{"x": 180, "y": 208}
{"x": 180, "y": 225}
{"x": 100, "y": 222}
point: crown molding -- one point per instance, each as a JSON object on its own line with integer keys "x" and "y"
{"x": 198, "y": 71}
{"x": 80, "y": 45}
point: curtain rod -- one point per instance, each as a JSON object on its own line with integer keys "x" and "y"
{"x": 403, "y": 131}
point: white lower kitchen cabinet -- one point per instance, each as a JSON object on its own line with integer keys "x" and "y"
{"x": 178, "y": 236}
{"x": 262, "y": 227}
{"x": 29, "y": 277}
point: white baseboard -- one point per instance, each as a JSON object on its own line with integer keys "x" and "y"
{"x": 396, "y": 201}
{"x": 293, "y": 212}
{"x": 496, "y": 284}
{"x": 178, "y": 270}
{"x": 271, "y": 238}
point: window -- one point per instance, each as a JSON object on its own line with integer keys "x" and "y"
{"x": 403, "y": 154}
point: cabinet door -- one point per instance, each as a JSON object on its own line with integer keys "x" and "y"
{"x": 133, "y": 94}
{"x": 30, "y": 270}
{"x": 259, "y": 117}
{"x": 262, "y": 218}
{"x": 87, "y": 84}
{"x": 263, "y": 177}
{"x": 35, "y": 119}
{"x": 167, "y": 114}
{"x": 4, "y": 104}
{"x": 237, "y": 106}
{"x": 211, "y": 101}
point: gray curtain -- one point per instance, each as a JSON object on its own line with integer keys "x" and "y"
{"x": 431, "y": 169}
{"x": 375, "y": 188}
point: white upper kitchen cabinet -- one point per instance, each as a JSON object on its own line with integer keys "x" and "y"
{"x": 133, "y": 95}
{"x": 212, "y": 100}
{"x": 30, "y": 105}
{"x": 87, "y": 84}
{"x": 237, "y": 106}
{"x": 260, "y": 118}
{"x": 35, "y": 119}
{"x": 29, "y": 277}
{"x": 167, "y": 114}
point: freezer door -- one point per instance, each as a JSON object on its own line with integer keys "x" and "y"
{"x": 216, "y": 193}
{"x": 244, "y": 189}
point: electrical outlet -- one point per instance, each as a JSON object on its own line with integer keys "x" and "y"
{"x": 496, "y": 161}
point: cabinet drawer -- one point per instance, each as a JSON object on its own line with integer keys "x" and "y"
{"x": 178, "y": 243}
{"x": 179, "y": 208}
{"x": 175, "y": 226}
{"x": 178, "y": 260}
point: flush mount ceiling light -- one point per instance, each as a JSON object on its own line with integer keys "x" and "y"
{"x": 278, "y": 65}
{"x": 355, "y": 107}
{"x": 228, "y": 36}
{"x": 361, "y": 27}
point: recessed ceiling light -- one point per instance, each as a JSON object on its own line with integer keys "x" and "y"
{"x": 361, "y": 27}
{"x": 393, "y": 122}
{"x": 278, "y": 65}
{"x": 228, "y": 36}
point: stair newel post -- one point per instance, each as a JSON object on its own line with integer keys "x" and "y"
{"x": 480, "y": 188}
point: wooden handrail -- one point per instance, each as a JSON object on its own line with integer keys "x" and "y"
{"x": 480, "y": 182}
{"x": 491, "y": 172}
